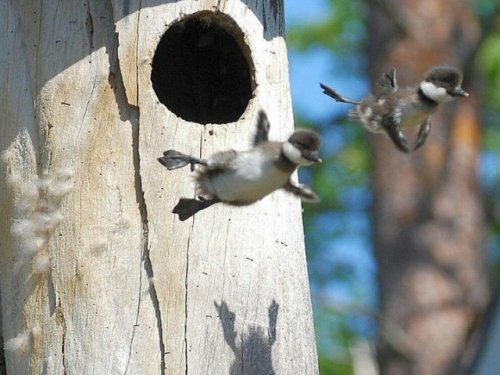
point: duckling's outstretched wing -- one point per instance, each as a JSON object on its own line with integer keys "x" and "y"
{"x": 388, "y": 80}
{"x": 263, "y": 126}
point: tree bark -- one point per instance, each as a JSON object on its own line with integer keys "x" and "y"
{"x": 428, "y": 218}
{"x": 114, "y": 282}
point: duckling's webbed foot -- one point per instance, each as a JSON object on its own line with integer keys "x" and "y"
{"x": 394, "y": 132}
{"x": 187, "y": 207}
{"x": 172, "y": 159}
{"x": 423, "y": 133}
{"x": 335, "y": 95}
{"x": 302, "y": 191}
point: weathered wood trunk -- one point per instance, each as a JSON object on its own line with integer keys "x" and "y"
{"x": 427, "y": 208}
{"x": 97, "y": 274}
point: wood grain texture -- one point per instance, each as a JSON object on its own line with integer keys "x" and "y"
{"x": 131, "y": 289}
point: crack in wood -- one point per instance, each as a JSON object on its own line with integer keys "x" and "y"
{"x": 131, "y": 113}
{"x": 51, "y": 294}
{"x": 136, "y": 318}
{"x": 62, "y": 321}
{"x": 154, "y": 297}
{"x": 89, "y": 26}
{"x": 137, "y": 56}
{"x": 36, "y": 86}
{"x": 186, "y": 280}
{"x": 148, "y": 266}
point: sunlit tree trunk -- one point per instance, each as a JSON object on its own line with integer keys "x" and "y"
{"x": 429, "y": 228}
{"x": 97, "y": 276}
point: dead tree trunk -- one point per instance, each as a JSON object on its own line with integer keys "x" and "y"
{"x": 97, "y": 274}
{"x": 427, "y": 210}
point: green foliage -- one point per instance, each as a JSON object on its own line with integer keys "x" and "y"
{"x": 488, "y": 64}
{"x": 334, "y": 337}
{"x": 488, "y": 60}
{"x": 487, "y": 10}
{"x": 330, "y": 366}
{"x": 491, "y": 130}
{"x": 340, "y": 30}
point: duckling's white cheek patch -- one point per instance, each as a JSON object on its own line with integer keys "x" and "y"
{"x": 292, "y": 153}
{"x": 438, "y": 94}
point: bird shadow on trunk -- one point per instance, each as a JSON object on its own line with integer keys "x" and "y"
{"x": 253, "y": 354}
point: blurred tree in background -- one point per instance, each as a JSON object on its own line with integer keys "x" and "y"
{"x": 427, "y": 211}
{"x": 435, "y": 214}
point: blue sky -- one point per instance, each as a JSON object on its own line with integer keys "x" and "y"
{"x": 307, "y": 70}
{"x": 352, "y": 248}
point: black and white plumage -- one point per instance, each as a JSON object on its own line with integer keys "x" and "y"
{"x": 241, "y": 178}
{"x": 397, "y": 108}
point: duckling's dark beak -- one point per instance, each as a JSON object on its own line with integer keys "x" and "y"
{"x": 314, "y": 157}
{"x": 458, "y": 91}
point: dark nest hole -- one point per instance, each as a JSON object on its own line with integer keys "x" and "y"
{"x": 202, "y": 69}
